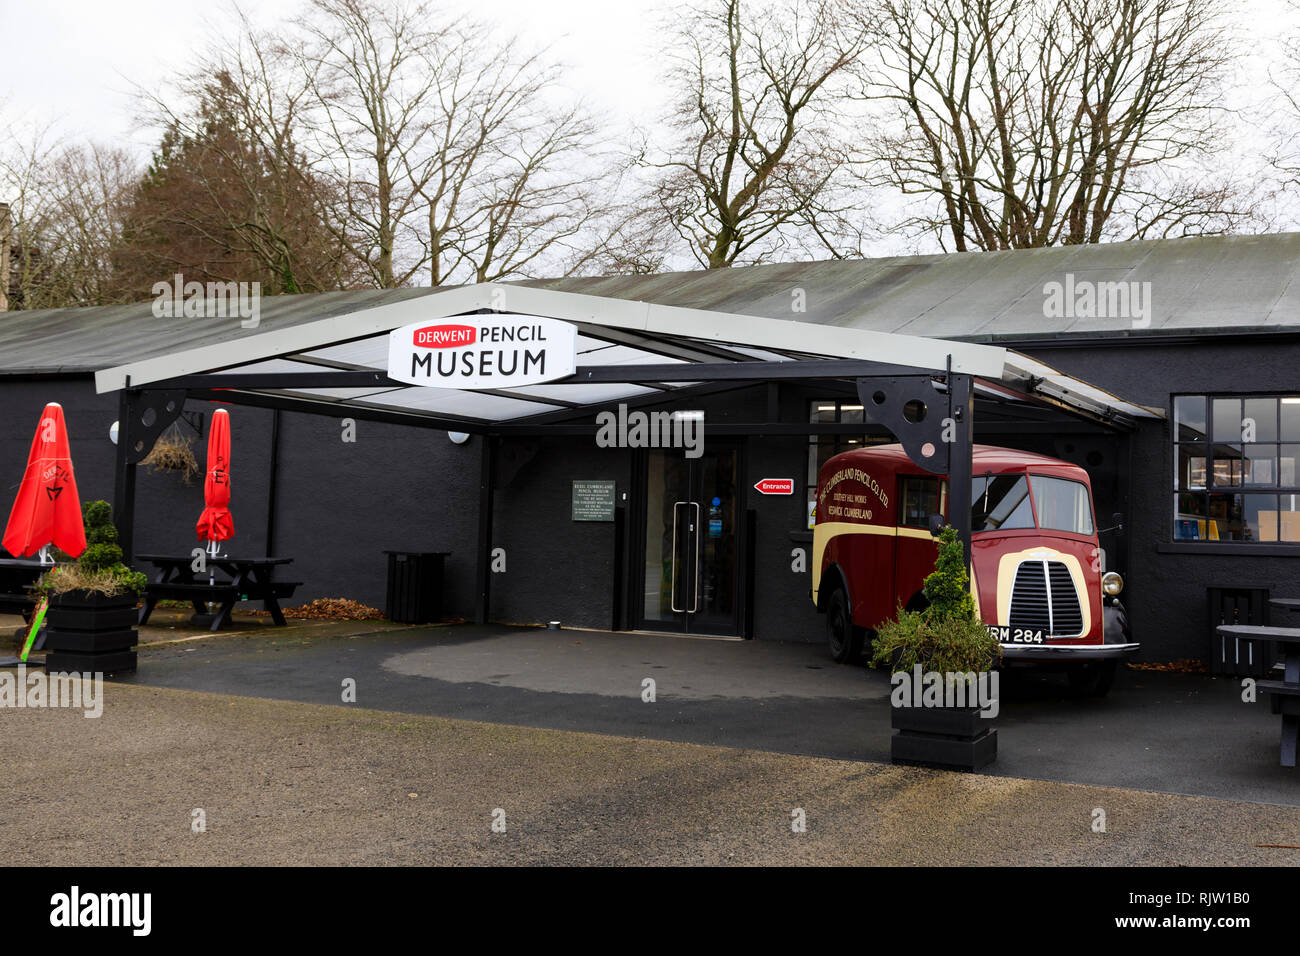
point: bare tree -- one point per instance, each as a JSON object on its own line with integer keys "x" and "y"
{"x": 231, "y": 194}
{"x": 510, "y": 181}
{"x": 1284, "y": 150}
{"x": 755, "y": 164}
{"x": 450, "y": 154}
{"x": 1024, "y": 123}
{"x": 66, "y": 204}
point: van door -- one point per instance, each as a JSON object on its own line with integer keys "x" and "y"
{"x": 919, "y": 496}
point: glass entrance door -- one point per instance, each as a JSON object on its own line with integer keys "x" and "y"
{"x": 691, "y": 542}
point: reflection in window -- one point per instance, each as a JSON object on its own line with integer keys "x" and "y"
{"x": 1000, "y": 502}
{"x": 920, "y": 499}
{"x": 1189, "y": 417}
{"x": 1062, "y": 505}
{"x": 821, "y": 448}
{"x": 1235, "y": 468}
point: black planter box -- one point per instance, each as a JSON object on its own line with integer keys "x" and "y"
{"x": 61, "y": 662}
{"x": 89, "y": 611}
{"x": 89, "y": 632}
{"x": 952, "y": 738}
{"x": 91, "y": 642}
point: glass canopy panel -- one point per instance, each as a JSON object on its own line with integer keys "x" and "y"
{"x": 454, "y": 402}
{"x": 584, "y": 394}
{"x": 371, "y": 352}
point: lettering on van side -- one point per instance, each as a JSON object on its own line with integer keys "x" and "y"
{"x": 858, "y": 475}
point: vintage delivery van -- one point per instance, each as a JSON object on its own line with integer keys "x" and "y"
{"x": 1037, "y": 571}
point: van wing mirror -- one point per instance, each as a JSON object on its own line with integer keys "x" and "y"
{"x": 1116, "y": 523}
{"x": 936, "y": 523}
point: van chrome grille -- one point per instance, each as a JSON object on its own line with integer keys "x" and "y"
{"x": 1044, "y": 596}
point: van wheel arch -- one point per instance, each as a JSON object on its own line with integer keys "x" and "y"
{"x": 833, "y": 579}
{"x": 844, "y": 638}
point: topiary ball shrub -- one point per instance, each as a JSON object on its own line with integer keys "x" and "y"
{"x": 100, "y": 568}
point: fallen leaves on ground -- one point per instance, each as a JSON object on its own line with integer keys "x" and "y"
{"x": 1182, "y": 666}
{"x": 331, "y": 609}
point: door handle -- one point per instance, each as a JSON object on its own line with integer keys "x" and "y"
{"x": 672, "y": 594}
{"x": 698, "y": 536}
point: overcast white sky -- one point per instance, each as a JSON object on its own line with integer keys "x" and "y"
{"x": 75, "y": 60}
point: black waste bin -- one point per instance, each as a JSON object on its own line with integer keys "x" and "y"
{"x": 1237, "y": 656}
{"x": 414, "y": 586}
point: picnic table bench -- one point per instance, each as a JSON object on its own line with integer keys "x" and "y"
{"x": 16, "y": 576}
{"x": 240, "y": 579}
{"x": 1286, "y": 692}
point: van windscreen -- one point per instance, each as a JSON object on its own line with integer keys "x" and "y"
{"x": 1000, "y": 502}
{"x": 1062, "y": 504}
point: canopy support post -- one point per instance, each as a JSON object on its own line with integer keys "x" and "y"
{"x": 912, "y": 408}
{"x": 961, "y": 410}
{"x": 142, "y": 415}
{"x": 124, "y": 477}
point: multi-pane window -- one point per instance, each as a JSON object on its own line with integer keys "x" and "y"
{"x": 821, "y": 448}
{"x": 1235, "y": 462}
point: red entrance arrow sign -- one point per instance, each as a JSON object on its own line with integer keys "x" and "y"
{"x": 775, "y": 486}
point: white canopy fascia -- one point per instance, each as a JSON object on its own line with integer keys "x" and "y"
{"x": 246, "y": 346}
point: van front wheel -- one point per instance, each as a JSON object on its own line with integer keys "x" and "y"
{"x": 844, "y": 639}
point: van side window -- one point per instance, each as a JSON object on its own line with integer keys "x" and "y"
{"x": 919, "y": 499}
{"x": 1000, "y": 502}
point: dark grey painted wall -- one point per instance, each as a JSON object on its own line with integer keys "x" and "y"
{"x": 1166, "y": 590}
{"x": 340, "y": 505}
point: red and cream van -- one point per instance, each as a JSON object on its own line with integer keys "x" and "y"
{"x": 1036, "y": 565}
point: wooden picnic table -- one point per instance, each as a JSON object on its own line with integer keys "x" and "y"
{"x": 245, "y": 579}
{"x": 1287, "y": 689}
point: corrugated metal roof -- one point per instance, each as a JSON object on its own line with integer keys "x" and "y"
{"x": 1232, "y": 283}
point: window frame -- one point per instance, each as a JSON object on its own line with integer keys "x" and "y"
{"x": 842, "y": 441}
{"x": 1234, "y": 495}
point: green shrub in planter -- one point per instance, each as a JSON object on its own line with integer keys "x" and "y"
{"x": 949, "y": 640}
{"x": 91, "y": 622}
{"x": 947, "y": 636}
{"x": 99, "y": 570}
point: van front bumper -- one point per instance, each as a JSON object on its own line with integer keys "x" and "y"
{"x": 1063, "y": 653}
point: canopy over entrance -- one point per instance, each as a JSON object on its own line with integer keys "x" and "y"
{"x": 626, "y": 350}
{"x": 632, "y": 352}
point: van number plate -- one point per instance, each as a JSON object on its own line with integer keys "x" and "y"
{"x": 1015, "y": 635}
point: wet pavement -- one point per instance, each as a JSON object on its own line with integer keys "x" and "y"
{"x": 1171, "y": 733}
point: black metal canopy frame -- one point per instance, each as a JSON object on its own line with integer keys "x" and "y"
{"x": 901, "y": 398}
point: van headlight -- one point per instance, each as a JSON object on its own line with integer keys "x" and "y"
{"x": 1111, "y": 583}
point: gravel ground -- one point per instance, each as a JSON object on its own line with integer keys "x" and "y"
{"x": 291, "y": 783}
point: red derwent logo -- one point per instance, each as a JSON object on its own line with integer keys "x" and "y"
{"x": 445, "y": 336}
{"x": 775, "y": 486}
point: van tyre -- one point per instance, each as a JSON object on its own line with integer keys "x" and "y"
{"x": 844, "y": 640}
{"x": 1093, "y": 680}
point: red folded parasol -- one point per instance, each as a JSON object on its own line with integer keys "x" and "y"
{"x": 216, "y": 524}
{"x": 47, "y": 510}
